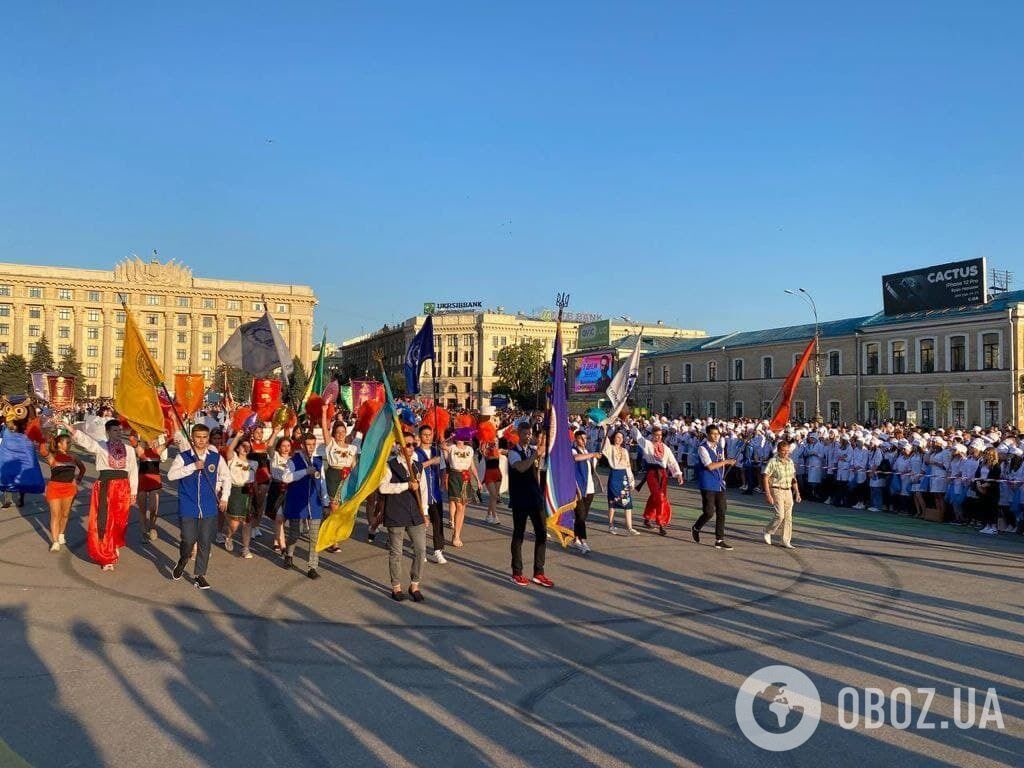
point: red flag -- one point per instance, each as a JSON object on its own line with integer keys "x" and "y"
{"x": 781, "y": 417}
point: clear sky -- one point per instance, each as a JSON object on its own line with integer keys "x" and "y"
{"x": 680, "y": 161}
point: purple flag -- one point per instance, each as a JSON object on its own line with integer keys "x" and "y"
{"x": 560, "y": 491}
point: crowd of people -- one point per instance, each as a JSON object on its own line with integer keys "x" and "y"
{"x": 236, "y": 483}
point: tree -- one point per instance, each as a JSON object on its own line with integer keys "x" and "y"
{"x": 42, "y": 358}
{"x": 521, "y": 371}
{"x": 239, "y": 382}
{"x": 297, "y": 382}
{"x": 397, "y": 382}
{"x": 70, "y": 366}
{"x": 882, "y": 403}
{"x": 942, "y": 402}
{"x": 14, "y": 378}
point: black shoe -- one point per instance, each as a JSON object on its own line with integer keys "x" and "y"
{"x": 287, "y": 561}
{"x": 417, "y": 596}
{"x": 723, "y": 544}
{"x": 662, "y": 531}
{"x": 695, "y": 533}
{"x": 333, "y": 548}
{"x": 202, "y": 583}
{"x": 647, "y": 523}
{"x": 311, "y": 573}
{"x": 397, "y": 596}
{"x": 370, "y": 536}
{"x": 179, "y": 571}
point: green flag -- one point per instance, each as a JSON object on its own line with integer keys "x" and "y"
{"x": 345, "y": 396}
{"x": 315, "y": 386}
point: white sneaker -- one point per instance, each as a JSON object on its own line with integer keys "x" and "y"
{"x": 788, "y": 546}
{"x": 874, "y": 509}
{"x": 987, "y": 530}
{"x": 55, "y": 547}
{"x": 613, "y": 530}
{"x": 633, "y": 531}
{"x": 60, "y": 539}
{"x": 577, "y": 545}
{"x": 437, "y": 556}
{"x": 768, "y": 539}
{"x": 858, "y": 505}
{"x": 585, "y": 547}
{"x": 220, "y": 538}
{"x": 246, "y": 554}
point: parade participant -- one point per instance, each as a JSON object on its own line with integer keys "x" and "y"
{"x": 204, "y": 487}
{"x": 781, "y": 491}
{"x": 278, "y": 488}
{"x": 858, "y": 484}
{"x": 492, "y": 479}
{"x": 461, "y": 481}
{"x": 938, "y": 478}
{"x": 660, "y": 463}
{"x": 242, "y": 470}
{"x": 918, "y": 478}
{"x": 20, "y": 472}
{"x": 986, "y": 487}
{"x": 405, "y": 512}
{"x": 113, "y": 493}
{"x": 218, "y": 441}
{"x": 620, "y": 482}
{"x": 880, "y": 474}
{"x": 66, "y": 473}
{"x": 587, "y": 482}
{"x": 149, "y": 455}
{"x": 339, "y": 459}
{"x": 305, "y": 500}
{"x": 956, "y": 489}
{"x": 815, "y": 455}
{"x": 841, "y": 490}
{"x": 711, "y": 466}
{"x": 900, "y": 480}
{"x": 968, "y": 472}
{"x": 527, "y": 502}
{"x": 261, "y": 478}
{"x": 431, "y": 459}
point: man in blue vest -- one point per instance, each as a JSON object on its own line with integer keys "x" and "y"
{"x": 204, "y": 485}
{"x": 305, "y": 499}
{"x": 431, "y": 459}
{"x": 711, "y": 466}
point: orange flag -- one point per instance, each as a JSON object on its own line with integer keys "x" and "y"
{"x": 781, "y": 417}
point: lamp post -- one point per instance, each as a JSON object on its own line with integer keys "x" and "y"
{"x": 817, "y": 357}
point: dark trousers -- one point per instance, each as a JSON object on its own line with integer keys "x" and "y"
{"x": 197, "y": 530}
{"x": 436, "y": 513}
{"x": 713, "y": 503}
{"x": 751, "y": 477}
{"x": 580, "y": 514}
{"x": 540, "y": 533}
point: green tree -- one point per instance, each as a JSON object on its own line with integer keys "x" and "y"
{"x": 943, "y": 400}
{"x": 397, "y": 382}
{"x": 521, "y": 372}
{"x": 882, "y": 403}
{"x": 70, "y": 366}
{"x": 239, "y": 382}
{"x": 297, "y": 382}
{"x": 42, "y": 358}
{"x": 14, "y": 378}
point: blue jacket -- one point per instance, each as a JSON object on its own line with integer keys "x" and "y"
{"x": 196, "y": 496}
{"x": 306, "y": 496}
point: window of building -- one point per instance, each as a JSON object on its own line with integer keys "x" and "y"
{"x": 118, "y": 352}
{"x": 799, "y": 410}
{"x": 92, "y": 315}
{"x": 180, "y": 355}
{"x": 766, "y": 367}
{"x": 209, "y": 303}
{"x": 871, "y": 411}
{"x": 871, "y": 359}
{"x": 989, "y": 352}
{"x": 184, "y": 301}
{"x": 688, "y": 409}
{"x": 152, "y": 301}
{"x": 467, "y": 370}
{"x": 5, "y": 290}
{"x": 63, "y": 332}
{"x": 958, "y": 413}
{"x": 152, "y": 319}
{"x": 63, "y": 313}
{"x": 712, "y": 371}
{"x": 899, "y": 410}
{"x": 991, "y": 412}
{"x": 737, "y": 409}
{"x": 32, "y": 348}
{"x": 119, "y": 316}
{"x": 35, "y": 293}
{"x": 152, "y": 351}
{"x": 151, "y": 336}
{"x": 926, "y": 413}
{"x": 664, "y": 374}
{"x": 92, "y": 333}
{"x": 207, "y": 321}
{"x": 958, "y": 353}
{"x": 234, "y": 304}
{"x": 4, "y": 329}
{"x": 182, "y": 321}
{"x": 182, "y": 337}
{"x": 207, "y": 338}
{"x": 649, "y": 375}
{"x": 898, "y": 356}
{"x": 5, "y": 348}
{"x": 835, "y": 363}
{"x": 281, "y": 326}
{"x": 713, "y": 409}
{"x": 63, "y": 349}
{"x": 92, "y": 371}
{"x": 90, "y": 390}
{"x": 95, "y": 352}
{"x": 926, "y": 355}
{"x": 35, "y": 313}
{"x": 181, "y": 369}
{"x": 467, "y": 339}
{"x": 282, "y": 309}
{"x": 33, "y": 331}
{"x": 233, "y": 322}
{"x": 687, "y": 373}
{"x": 737, "y": 370}
{"x": 65, "y": 294}
{"x": 95, "y": 296}
{"x": 119, "y": 334}
{"x": 453, "y": 340}
{"x": 5, "y": 310}
{"x": 834, "y": 412}
{"x": 207, "y": 356}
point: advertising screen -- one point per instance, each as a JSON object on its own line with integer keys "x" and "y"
{"x": 593, "y": 373}
{"x": 957, "y": 284}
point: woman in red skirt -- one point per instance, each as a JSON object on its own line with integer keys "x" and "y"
{"x": 66, "y": 472}
{"x": 150, "y": 484}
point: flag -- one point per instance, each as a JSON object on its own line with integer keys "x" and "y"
{"x": 781, "y": 417}
{"x": 135, "y": 398}
{"x": 420, "y": 348}
{"x": 315, "y": 385}
{"x": 560, "y": 491}
{"x": 189, "y": 389}
{"x": 257, "y": 348}
{"x": 39, "y": 384}
{"x": 365, "y": 477}
{"x": 345, "y": 395}
{"x": 623, "y": 382}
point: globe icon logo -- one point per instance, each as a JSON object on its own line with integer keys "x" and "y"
{"x": 778, "y": 708}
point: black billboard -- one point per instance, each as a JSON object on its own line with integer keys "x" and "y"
{"x": 956, "y": 284}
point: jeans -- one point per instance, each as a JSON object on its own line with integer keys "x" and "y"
{"x": 292, "y": 533}
{"x": 436, "y": 513}
{"x": 197, "y": 531}
{"x": 396, "y": 539}
{"x": 540, "y": 534}
{"x": 713, "y": 503}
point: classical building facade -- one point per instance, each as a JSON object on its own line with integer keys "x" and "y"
{"x": 184, "y": 319}
{"x": 467, "y": 345}
{"x": 959, "y": 366}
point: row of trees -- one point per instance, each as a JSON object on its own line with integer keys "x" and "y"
{"x": 15, "y": 370}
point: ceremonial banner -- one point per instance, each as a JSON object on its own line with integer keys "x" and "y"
{"x": 189, "y": 390}
{"x": 781, "y": 417}
{"x": 257, "y": 348}
{"x": 420, "y": 348}
{"x": 625, "y": 379}
{"x": 560, "y": 492}
{"x": 365, "y": 476}
{"x": 366, "y": 389}
{"x": 266, "y": 397}
{"x": 39, "y": 385}
{"x": 60, "y": 391}
{"x": 135, "y": 398}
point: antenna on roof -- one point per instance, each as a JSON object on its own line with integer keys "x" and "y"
{"x": 1000, "y": 281}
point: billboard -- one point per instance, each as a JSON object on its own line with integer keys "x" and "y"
{"x": 593, "y": 373}
{"x": 435, "y": 308}
{"x": 956, "y": 284}
{"x": 595, "y": 334}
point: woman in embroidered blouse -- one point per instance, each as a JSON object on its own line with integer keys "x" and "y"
{"x": 243, "y": 475}
{"x": 620, "y": 481}
{"x": 462, "y": 480}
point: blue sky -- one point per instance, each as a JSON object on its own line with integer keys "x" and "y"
{"x": 678, "y": 161}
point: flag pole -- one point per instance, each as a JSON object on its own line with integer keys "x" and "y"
{"x": 379, "y": 357}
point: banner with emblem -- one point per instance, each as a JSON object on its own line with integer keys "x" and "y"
{"x": 623, "y": 382}
{"x": 135, "y": 398}
{"x": 60, "y": 391}
{"x": 189, "y": 390}
{"x": 257, "y": 348}
{"x": 266, "y": 397}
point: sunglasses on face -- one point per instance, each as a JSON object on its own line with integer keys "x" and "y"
{"x": 410, "y": 445}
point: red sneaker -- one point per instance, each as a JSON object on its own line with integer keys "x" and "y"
{"x": 519, "y": 580}
{"x": 543, "y": 580}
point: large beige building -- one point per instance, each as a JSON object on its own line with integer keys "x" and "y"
{"x": 467, "y": 345}
{"x": 184, "y": 319}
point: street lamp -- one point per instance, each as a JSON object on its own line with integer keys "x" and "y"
{"x": 817, "y": 357}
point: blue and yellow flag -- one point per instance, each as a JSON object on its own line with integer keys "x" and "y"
{"x": 365, "y": 477}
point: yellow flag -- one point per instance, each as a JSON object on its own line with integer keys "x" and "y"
{"x": 135, "y": 396}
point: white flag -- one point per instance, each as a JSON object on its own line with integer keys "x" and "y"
{"x": 257, "y": 348}
{"x": 623, "y": 382}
